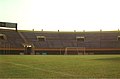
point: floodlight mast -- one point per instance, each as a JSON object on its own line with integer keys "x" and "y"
{"x": 73, "y": 49}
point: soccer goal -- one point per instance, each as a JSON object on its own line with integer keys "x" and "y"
{"x": 75, "y": 50}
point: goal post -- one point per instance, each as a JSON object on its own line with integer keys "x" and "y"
{"x": 75, "y": 50}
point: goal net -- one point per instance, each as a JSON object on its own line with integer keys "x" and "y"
{"x": 75, "y": 50}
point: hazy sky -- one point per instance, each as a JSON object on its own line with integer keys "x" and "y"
{"x": 66, "y": 15}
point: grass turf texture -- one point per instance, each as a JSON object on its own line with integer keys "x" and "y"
{"x": 60, "y": 66}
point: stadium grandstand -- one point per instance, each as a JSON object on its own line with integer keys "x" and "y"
{"x": 17, "y": 42}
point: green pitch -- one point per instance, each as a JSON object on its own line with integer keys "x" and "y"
{"x": 59, "y": 66}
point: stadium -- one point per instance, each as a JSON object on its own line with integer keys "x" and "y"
{"x": 59, "y": 39}
{"x": 58, "y": 55}
{"x": 16, "y": 42}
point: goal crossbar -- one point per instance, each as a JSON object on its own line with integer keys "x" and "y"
{"x": 73, "y": 49}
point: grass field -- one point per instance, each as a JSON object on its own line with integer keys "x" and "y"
{"x": 59, "y": 66}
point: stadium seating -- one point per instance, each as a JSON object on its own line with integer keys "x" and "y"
{"x": 58, "y": 41}
{"x": 13, "y": 39}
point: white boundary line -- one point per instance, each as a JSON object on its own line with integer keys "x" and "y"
{"x": 51, "y": 71}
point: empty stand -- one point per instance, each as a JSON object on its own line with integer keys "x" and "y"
{"x": 13, "y": 38}
{"x": 57, "y": 41}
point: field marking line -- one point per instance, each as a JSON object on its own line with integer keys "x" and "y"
{"x": 51, "y": 71}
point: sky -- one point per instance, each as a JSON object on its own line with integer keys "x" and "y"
{"x": 63, "y": 15}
